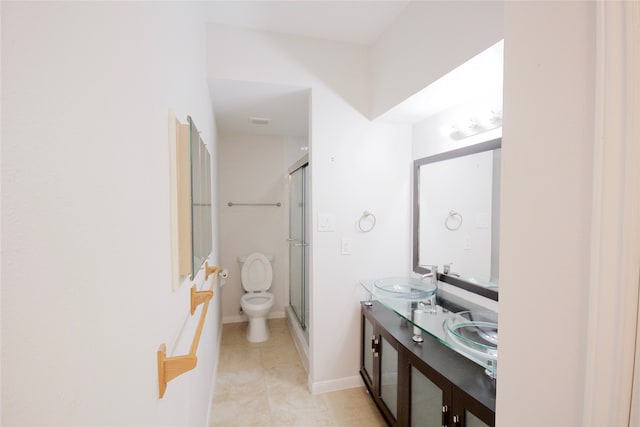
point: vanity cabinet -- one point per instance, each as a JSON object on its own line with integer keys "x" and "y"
{"x": 424, "y": 384}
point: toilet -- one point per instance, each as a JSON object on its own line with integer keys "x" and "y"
{"x": 256, "y": 276}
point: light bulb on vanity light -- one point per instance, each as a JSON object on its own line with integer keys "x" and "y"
{"x": 463, "y": 129}
{"x": 489, "y": 120}
{"x": 448, "y": 129}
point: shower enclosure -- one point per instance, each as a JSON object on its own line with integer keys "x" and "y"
{"x": 298, "y": 247}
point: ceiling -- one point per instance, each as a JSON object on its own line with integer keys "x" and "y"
{"x": 360, "y": 22}
{"x": 235, "y": 103}
{"x": 347, "y": 21}
{"x": 478, "y": 78}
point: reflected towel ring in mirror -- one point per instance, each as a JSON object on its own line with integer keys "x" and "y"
{"x": 453, "y": 221}
{"x": 366, "y": 222}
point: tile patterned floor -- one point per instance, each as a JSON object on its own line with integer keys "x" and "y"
{"x": 265, "y": 385}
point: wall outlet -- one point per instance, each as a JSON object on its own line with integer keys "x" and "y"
{"x": 346, "y": 245}
{"x": 467, "y": 243}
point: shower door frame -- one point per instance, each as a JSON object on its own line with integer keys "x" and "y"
{"x": 298, "y": 241}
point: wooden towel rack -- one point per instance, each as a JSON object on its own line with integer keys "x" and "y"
{"x": 171, "y": 367}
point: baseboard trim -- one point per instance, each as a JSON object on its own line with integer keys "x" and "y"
{"x": 320, "y": 387}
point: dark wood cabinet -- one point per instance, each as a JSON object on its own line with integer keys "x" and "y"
{"x": 425, "y": 384}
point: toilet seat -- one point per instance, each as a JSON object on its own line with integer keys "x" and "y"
{"x": 256, "y": 274}
{"x": 257, "y": 301}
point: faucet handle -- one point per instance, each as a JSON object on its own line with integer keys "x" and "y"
{"x": 447, "y": 268}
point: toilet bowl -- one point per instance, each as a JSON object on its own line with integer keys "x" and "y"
{"x": 256, "y": 277}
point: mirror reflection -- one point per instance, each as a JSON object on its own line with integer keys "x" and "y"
{"x": 456, "y": 216}
{"x": 201, "y": 232}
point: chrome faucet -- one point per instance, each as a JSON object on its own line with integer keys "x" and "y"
{"x": 447, "y": 270}
{"x": 432, "y": 274}
{"x": 430, "y": 304}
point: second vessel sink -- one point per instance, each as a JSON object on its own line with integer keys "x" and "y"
{"x": 476, "y": 333}
{"x": 477, "y": 330}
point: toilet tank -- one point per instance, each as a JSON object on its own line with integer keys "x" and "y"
{"x": 242, "y": 259}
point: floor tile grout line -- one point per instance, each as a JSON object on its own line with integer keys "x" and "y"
{"x": 278, "y": 356}
{"x": 266, "y": 386}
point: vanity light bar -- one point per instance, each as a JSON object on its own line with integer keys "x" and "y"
{"x": 474, "y": 125}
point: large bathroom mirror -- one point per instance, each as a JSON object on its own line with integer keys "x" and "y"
{"x": 456, "y": 216}
{"x": 201, "y": 231}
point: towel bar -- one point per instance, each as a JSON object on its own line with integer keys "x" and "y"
{"x": 171, "y": 367}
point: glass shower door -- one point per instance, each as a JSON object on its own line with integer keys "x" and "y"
{"x": 298, "y": 246}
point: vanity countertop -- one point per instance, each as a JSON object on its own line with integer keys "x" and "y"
{"x": 431, "y": 322}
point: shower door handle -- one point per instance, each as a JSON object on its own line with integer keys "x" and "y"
{"x": 297, "y": 243}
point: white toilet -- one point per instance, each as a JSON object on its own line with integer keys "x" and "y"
{"x": 256, "y": 276}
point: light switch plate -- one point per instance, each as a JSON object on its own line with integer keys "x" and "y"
{"x": 326, "y": 222}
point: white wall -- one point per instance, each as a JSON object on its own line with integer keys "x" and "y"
{"x": 425, "y": 42}
{"x": 252, "y": 169}
{"x": 86, "y": 276}
{"x": 546, "y": 212}
{"x": 355, "y": 166}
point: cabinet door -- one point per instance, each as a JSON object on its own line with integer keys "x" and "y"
{"x": 388, "y": 391}
{"x": 426, "y": 401}
{"x": 429, "y": 396}
{"x": 379, "y": 366}
{"x": 470, "y": 413}
{"x": 367, "y": 354}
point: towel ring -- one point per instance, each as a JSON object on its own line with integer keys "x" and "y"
{"x": 453, "y": 221}
{"x": 366, "y": 227}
